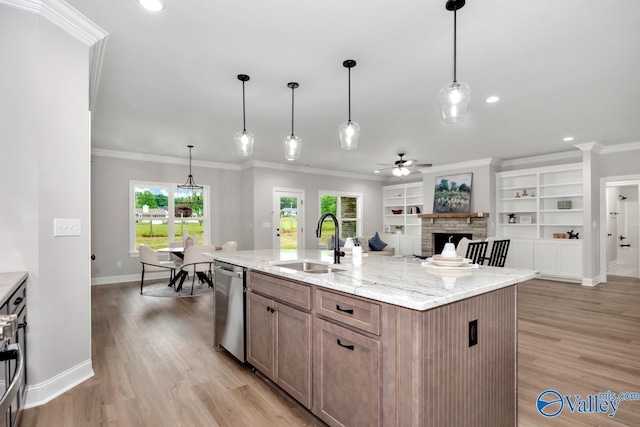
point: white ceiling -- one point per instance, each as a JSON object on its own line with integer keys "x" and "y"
{"x": 569, "y": 67}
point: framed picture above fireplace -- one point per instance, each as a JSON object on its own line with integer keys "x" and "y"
{"x": 452, "y": 193}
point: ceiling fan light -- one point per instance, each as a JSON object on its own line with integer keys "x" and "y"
{"x": 401, "y": 171}
{"x": 292, "y": 147}
{"x": 349, "y": 133}
{"x": 454, "y": 101}
{"x": 244, "y": 143}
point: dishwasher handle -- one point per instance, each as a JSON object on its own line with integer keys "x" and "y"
{"x": 224, "y": 271}
{"x": 14, "y": 351}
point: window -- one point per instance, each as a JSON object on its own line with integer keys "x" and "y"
{"x": 347, "y": 207}
{"x": 162, "y": 213}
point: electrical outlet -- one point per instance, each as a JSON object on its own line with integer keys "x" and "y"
{"x": 473, "y": 333}
{"x": 119, "y": 264}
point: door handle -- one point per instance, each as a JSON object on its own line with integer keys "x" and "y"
{"x": 348, "y": 347}
{"x": 344, "y": 310}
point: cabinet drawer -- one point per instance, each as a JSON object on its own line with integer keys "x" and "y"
{"x": 355, "y": 312}
{"x": 280, "y": 289}
{"x": 18, "y": 299}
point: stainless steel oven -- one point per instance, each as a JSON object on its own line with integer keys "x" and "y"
{"x": 229, "y": 309}
{"x": 12, "y": 371}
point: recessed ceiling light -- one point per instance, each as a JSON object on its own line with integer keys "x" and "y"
{"x": 492, "y": 99}
{"x": 567, "y": 139}
{"x": 376, "y": 171}
{"x": 152, "y": 5}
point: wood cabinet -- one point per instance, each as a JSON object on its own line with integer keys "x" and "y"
{"x": 279, "y": 335}
{"x": 537, "y": 205}
{"x": 368, "y": 363}
{"x": 347, "y": 377}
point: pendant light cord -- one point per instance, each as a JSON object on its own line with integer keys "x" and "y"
{"x": 349, "y": 93}
{"x": 292, "y": 102}
{"x": 244, "y": 124}
{"x": 455, "y": 32}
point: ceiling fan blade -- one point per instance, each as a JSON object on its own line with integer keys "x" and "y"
{"x": 409, "y": 162}
{"x": 419, "y": 165}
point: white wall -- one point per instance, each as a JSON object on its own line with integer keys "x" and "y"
{"x": 110, "y": 208}
{"x": 45, "y": 134}
{"x": 265, "y": 180}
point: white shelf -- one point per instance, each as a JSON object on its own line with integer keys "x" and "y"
{"x": 405, "y": 197}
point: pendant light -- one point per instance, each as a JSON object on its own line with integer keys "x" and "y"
{"x": 349, "y": 131}
{"x": 190, "y": 184}
{"x": 454, "y": 97}
{"x": 292, "y": 143}
{"x": 244, "y": 139}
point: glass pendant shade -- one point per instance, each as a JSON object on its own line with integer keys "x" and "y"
{"x": 454, "y": 101}
{"x": 349, "y": 133}
{"x": 244, "y": 143}
{"x": 292, "y": 146}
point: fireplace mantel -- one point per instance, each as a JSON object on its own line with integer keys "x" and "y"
{"x": 455, "y": 215}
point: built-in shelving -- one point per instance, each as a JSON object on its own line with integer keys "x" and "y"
{"x": 403, "y": 230}
{"x": 531, "y": 197}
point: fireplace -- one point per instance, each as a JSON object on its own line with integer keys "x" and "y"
{"x": 474, "y": 224}
{"x": 439, "y": 239}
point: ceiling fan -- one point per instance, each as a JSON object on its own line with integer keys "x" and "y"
{"x": 401, "y": 166}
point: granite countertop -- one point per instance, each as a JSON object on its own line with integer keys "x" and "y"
{"x": 394, "y": 280}
{"x": 9, "y": 282}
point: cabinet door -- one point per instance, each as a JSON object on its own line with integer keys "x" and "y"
{"x": 570, "y": 259}
{"x": 546, "y": 257}
{"x": 347, "y": 377}
{"x": 260, "y": 321}
{"x": 520, "y": 254}
{"x": 293, "y": 352}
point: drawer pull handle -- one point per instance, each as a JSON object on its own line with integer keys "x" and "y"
{"x": 348, "y": 347}
{"x": 17, "y": 301}
{"x": 22, "y": 325}
{"x": 344, "y": 310}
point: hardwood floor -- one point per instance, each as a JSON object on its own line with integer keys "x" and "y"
{"x": 155, "y": 366}
{"x": 578, "y": 340}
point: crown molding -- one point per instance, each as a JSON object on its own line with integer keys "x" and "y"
{"x": 594, "y": 146}
{"x": 461, "y": 165}
{"x": 544, "y": 158}
{"x": 619, "y": 148}
{"x": 143, "y": 157}
{"x": 306, "y": 169}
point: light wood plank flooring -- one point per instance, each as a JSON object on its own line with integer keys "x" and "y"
{"x": 155, "y": 366}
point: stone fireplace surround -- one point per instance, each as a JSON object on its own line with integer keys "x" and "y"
{"x": 474, "y": 223}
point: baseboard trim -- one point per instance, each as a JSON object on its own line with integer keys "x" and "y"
{"x": 39, "y": 394}
{"x": 592, "y": 282}
{"x": 108, "y": 280}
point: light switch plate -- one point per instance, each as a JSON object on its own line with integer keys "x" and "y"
{"x": 66, "y": 227}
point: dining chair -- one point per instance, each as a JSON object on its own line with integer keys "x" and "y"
{"x": 197, "y": 264}
{"x": 476, "y": 252}
{"x": 230, "y": 246}
{"x": 150, "y": 263}
{"x": 499, "y": 251}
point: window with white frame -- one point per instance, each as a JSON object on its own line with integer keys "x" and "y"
{"x": 161, "y": 213}
{"x": 347, "y": 207}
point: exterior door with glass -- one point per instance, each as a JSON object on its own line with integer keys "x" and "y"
{"x": 288, "y": 221}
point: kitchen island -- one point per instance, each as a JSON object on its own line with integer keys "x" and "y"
{"x": 390, "y": 343}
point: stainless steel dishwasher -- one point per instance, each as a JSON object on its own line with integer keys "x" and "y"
{"x": 229, "y": 308}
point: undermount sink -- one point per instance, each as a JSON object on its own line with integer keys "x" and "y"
{"x": 309, "y": 267}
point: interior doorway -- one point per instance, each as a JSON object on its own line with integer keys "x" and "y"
{"x": 622, "y": 232}
{"x": 288, "y": 218}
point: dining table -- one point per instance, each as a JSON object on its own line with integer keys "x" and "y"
{"x": 181, "y": 275}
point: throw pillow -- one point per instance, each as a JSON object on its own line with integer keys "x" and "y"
{"x": 376, "y": 244}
